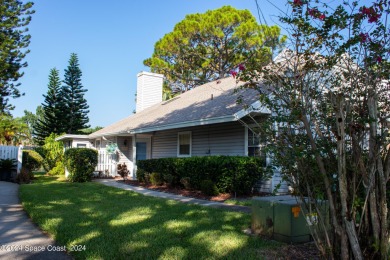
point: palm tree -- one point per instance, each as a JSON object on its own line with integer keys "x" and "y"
{"x": 12, "y": 131}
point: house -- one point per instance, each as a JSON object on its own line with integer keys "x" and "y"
{"x": 204, "y": 121}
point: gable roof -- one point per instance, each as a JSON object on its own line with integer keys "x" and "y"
{"x": 213, "y": 102}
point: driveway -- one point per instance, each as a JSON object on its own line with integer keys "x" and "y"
{"x": 19, "y": 237}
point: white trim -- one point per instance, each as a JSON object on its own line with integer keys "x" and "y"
{"x": 246, "y": 141}
{"x": 207, "y": 121}
{"x": 134, "y": 149}
{"x": 178, "y": 143}
{"x": 71, "y": 136}
{"x": 255, "y": 107}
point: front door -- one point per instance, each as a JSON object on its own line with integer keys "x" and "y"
{"x": 141, "y": 151}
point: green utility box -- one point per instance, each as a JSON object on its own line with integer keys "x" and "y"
{"x": 281, "y": 218}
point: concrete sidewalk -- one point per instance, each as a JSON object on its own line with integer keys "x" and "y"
{"x": 207, "y": 203}
{"x": 19, "y": 237}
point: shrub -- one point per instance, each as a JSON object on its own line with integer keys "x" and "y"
{"x": 59, "y": 169}
{"x": 141, "y": 175}
{"x": 52, "y": 152}
{"x": 186, "y": 182}
{"x": 123, "y": 171}
{"x": 32, "y": 160}
{"x": 156, "y": 179}
{"x": 229, "y": 173}
{"x": 169, "y": 179}
{"x": 25, "y": 176}
{"x": 209, "y": 188}
{"x": 80, "y": 162}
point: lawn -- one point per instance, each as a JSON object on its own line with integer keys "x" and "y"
{"x": 117, "y": 224}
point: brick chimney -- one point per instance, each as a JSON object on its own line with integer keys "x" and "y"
{"x": 149, "y": 90}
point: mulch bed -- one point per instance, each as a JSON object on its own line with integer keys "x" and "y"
{"x": 187, "y": 193}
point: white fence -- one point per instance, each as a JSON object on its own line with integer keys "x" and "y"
{"x": 107, "y": 163}
{"x": 12, "y": 152}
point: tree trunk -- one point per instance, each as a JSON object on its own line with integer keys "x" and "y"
{"x": 348, "y": 222}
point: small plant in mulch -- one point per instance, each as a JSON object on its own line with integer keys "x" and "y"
{"x": 156, "y": 179}
{"x": 123, "y": 171}
{"x": 25, "y": 176}
{"x": 169, "y": 179}
{"x": 209, "y": 188}
{"x": 186, "y": 182}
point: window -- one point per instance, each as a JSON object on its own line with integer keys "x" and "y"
{"x": 81, "y": 146}
{"x": 256, "y": 145}
{"x": 97, "y": 144}
{"x": 184, "y": 141}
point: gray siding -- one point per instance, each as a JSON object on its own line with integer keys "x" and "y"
{"x": 126, "y": 154}
{"x": 217, "y": 139}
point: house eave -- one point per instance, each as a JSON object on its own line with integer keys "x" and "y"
{"x": 206, "y": 121}
{"x": 71, "y": 136}
{"x": 255, "y": 107}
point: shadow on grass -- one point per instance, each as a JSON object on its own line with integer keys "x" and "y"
{"x": 118, "y": 224}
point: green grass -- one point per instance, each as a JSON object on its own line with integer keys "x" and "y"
{"x": 118, "y": 224}
{"x": 38, "y": 173}
{"x": 240, "y": 202}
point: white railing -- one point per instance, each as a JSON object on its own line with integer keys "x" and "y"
{"x": 107, "y": 163}
{"x": 12, "y": 152}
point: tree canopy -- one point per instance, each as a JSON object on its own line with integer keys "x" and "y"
{"x": 208, "y": 46}
{"x": 14, "y": 41}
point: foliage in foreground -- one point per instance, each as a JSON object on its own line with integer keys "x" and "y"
{"x": 80, "y": 162}
{"x": 118, "y": 224}
{"x": 330, "y": 98}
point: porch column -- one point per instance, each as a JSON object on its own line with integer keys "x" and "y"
{"x": 134, "y": 171}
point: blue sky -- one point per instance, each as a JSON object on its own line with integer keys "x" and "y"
{"x": 111, "y": 39}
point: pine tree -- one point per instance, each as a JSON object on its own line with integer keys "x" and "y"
{"x": 75, "y": 106}
{"x": 14, "y": 40}
{"x": 52, "y": 120}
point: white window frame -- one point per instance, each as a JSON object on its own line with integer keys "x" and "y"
{"x": 178, "y": 144}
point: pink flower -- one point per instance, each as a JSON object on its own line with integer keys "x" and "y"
{"x": 233, "y": 73}
{"x": 374, "y": 17}
{"x": 241, "y": 67}
{"x": 312, "y": 12}
{"x": 365, "y": 10}
{"x": 364, "y": 37}
{"x": 298, "y": 2}
{"x": 379, "y": 59}
{"x": 322, "y": 17}
{"x": 371, "y": 13}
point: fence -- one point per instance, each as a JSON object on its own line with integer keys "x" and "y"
{"x": 107, "y": 163}
{"x": 12, "y": 152}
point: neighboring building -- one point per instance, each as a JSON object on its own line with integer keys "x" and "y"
{"x": 204, "y": 121}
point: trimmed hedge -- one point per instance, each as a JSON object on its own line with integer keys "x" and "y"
{"x": 229, "y": 173}
{"x": 80, "y": 162}
{"x": 32, "y": 160}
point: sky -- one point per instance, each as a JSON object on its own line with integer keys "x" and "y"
{"x": 111, "y": 39}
